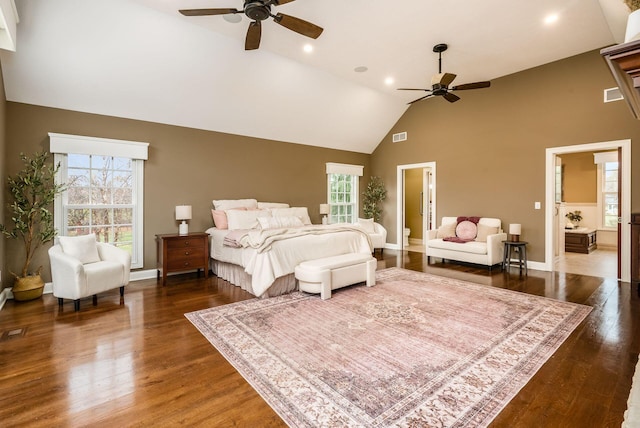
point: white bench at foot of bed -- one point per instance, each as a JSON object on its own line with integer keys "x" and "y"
{"x": 323, "y": 275}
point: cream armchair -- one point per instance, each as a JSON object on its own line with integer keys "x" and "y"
{"x": 82, "y": 267}
{"x": 377, "y": 233}
{"x": 378, "y": 237}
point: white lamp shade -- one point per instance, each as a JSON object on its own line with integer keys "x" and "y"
{"x": 515, "y": 229}
{"x": 324, "y": 208}
{"x": 183, "y": 212}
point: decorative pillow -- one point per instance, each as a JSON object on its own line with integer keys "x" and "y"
{"x": 366, "y": 224}
{"x": 278, "y": 222}
{"x": 82, "y": 247}
{"x": 220, "y": 218}
{"x": 301, "y": 212}
{"x": 466, "y": 230}
{"x": 484, "y": 231}
{"x": 228, "y": 204}
{"x": 446, "y": 231}
{"x": 239, "y": 219}
{"x": 271, "y": 205}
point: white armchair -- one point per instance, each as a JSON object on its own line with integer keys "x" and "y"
{"x": 82, "y": 267}
{"x": 378, "y": 237}
{"x": 377, "y": 233}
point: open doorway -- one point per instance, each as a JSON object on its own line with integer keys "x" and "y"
{"x": 576, "y": 163}
{"x": 416, "y": 207}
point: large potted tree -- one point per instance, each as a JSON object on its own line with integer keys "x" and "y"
{"x": 373, "y": 195}
{"x": 33, "y": 191}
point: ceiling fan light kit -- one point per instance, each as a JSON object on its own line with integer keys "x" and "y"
{"x": 258, "y": 11}
{"x": 440, "y": 82}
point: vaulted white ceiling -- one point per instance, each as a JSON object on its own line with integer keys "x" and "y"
{"x": 143, "y": 60}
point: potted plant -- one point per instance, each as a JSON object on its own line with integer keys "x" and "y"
{"x": 373, "y": 195}
{"x": 33, "y": 191}
{"x": 574, "y": 217}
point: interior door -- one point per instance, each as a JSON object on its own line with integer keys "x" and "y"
{"x": 619, "y": 211}
{"x": 426, "y": 204}
{"x": 560, "y": 211}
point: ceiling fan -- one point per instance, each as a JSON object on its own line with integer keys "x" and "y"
{"x": 258, "y": 11}
{"x": 440, "y": 82}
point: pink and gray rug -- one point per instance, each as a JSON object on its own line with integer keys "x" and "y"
{"x": 415, "y": 350}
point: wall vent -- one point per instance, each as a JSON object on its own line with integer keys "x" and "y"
{"x": 401, "y": 136}
{"x": 612, "y": 94}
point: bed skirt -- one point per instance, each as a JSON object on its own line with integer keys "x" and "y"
{"x": 237, "y": 276}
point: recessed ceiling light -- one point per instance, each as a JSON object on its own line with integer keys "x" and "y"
{"x": 360, "y": 69}
{"x": 550, "y": 19}
{"x": 389, "y": 81}
{"x": 308, "y": 48}
{"x": 233, "y": 18}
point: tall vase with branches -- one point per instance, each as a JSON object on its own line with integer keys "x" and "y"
{"x": 33, "y": 191}
{"x": 373, "y": 195}
{"x": 632, "y": 4}
{"x": 632, "y": 32}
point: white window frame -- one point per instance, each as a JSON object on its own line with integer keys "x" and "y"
{"x": 355, "y": 171}
{"x": 63, "y": 144}
{"x": 600, "y": 159}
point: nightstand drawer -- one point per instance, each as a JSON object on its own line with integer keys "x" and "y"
{"x": 183, "y": 264}
{"x": 185, "y": 253}
{"x": 186, "y": 242}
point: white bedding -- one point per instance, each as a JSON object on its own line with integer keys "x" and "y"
{"x": 281, "y": 255}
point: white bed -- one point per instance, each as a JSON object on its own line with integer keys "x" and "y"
{"x": 267, "y": 270}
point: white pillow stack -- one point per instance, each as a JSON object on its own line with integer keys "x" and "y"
{"x": 301, "y": 212}
{"x": 238, "y": 219}
{"x": 279, "y": 222}
{"x": 228, "y": 204}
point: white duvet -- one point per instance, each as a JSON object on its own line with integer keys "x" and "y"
{"x": 271, "y": 253}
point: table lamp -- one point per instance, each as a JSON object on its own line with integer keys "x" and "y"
{"x": 324, "y": 210}
{"x": 515, "y": 230}
{"x": 183, "y": 212}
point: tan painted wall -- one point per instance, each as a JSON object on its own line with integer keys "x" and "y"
{"x": 186, "y": 166}
{"x": 413, "y": 187}
{"x": 580, "y": 180}
{"x": 489, "y": 147}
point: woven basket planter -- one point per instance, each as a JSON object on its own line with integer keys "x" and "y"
{"x": 28, "y": 288}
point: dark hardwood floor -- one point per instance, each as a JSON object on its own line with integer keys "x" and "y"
{"x": 142, "y": 363}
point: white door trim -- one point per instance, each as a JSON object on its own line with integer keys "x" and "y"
{"x": 626, "y": 198}
{"x": 400, "y": 199}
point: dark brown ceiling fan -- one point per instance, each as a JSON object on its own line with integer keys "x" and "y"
{"x": 440, "y": 82}
{"x": 258, "y": 11}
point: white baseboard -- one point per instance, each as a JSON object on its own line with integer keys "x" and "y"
{"x": 138, "y": 275}
{"x": 536, "y": 266}
{"x": 6, "y": 293}
{"x": 607, "y": 247}
{"x": 4, "y": 296}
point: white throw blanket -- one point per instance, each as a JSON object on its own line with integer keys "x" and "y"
{"x": 262, "y": 239}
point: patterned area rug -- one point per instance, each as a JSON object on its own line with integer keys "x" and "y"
{"x": 415, "y": 350}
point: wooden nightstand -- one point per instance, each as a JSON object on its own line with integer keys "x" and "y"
{"x": 177, "y": 253}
